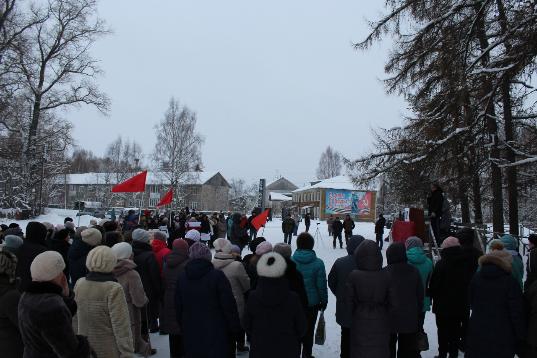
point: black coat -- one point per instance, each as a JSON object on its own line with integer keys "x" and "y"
{"x": 10, "y": 338}
{"x": 274, "y": 319}
{"x": 497, "y": 324}
{"x": 26, "y": 253}
{"x": 45, "y": 322}
{"x": 296, "y": 282}
{"x": 436, "y": 201}
{"x": 337, "y": 227}
{"x": 61, "y": 247}
{"x": 531, "y": 269}
{"x": 207, "y": 310}
{"x": 147, "y": 267}
{"x": 531, "y": 310}
{"x": 307, "y": 220}
{"x": 78, "y": 252}
{"x": 449, "y": 283}
{"x": 174, "y": 264}
{"x": 379, "y": 225}
{"x": 408, "y": 289}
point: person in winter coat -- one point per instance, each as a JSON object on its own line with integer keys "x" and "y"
{"x": 127, "y": 276}
{"x": 370, "y": 298}
{"x": 174, "y": 265}
{"x": 274, "y": 318}
{"x": 238, "y": 278}
{"x": 221, "y": 229}
{"x": 314, "y": 274}
{"x": 417, "y": 258}
{"x": 329, "y": 223}
{"x": 405, "y": 281}
{"x": 160, "y": 248}
{"x": 448, "y": 289}
{"x": 46, "y": 310}
{"x": 307, "y": 221}
{"x": 337, "y": 280}
{"x": 288, "y": 226}
{"x": 251, "y": 263}
{"x": 33, "y": 244}
{"x": 78, "y": 252}
{"x": 379, "y": 230}
{"x": 531, "y": 314}
{"x": 205, "y": 308}
{"x": 294, "y": 278}
{"x": 10, "y": 338}
{"x": 531, "y": 265}
{"x": 348, "y": 226}
{"x": 337, "y": 229}
{"x": 511, "y": 246}
{"x": 148, "y": 268}
{"x": 497, "y": 324}
{"x": 60, "y": 243}
{"x": 435, "y": 203}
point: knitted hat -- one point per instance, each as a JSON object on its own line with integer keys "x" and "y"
{"x": 92, "y": 236}
{"x": 509, "y": 242}
{"x": 263, "y": 248}
{"x": 101, "y": 259}
{"x": 253, "y": 244}
{"x": 222, "y": 245}
{"x": 160, "y": 236}
{"x": 36, "y": 231}
{"x": 13, "y": 241}
{"x": 283, "y": 249}
{"x": 140, "y": 235}
{"x": 122, "y": 250}
{"x": 305, "y": 241}
{"x": 193, "y": 235}
{"x": 47, "y": 266}
{"x": 450, "y": 242}
{"x": 180, "y": 246}
{"x": 70, "y": 225}
{"x": 271, "y": 265}
{"x": 8, "y": 264}
{"x": 412, "y": 242}
{"x": 199, "y": 251}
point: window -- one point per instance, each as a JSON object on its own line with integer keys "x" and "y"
{"x": 193, "y": 205}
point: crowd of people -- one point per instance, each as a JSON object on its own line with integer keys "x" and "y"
{"x": 99, "y": 291}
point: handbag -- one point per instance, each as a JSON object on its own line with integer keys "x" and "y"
{"x": 423, "y": 342}
{"x": 320, "y": 332}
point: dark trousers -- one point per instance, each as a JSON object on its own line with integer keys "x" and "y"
{"x": 345, "y": 342}
{"x": 253, "y": 234}
{"x": 348, "y": 235}
{"x": 307, "y": 228}
{"x": 449, "y": 334}
{"x": 307, "y": 341}
{"x": 380, "y": 240}
{"x": 404, "y": 345}
{"x": 287, "y": 238}
{"x": 464, "y": 330}
{"x": 177, "y": 349}
{"x": 338, "y": 237}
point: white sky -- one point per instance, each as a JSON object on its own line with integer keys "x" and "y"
{"x": 273, "y": 82}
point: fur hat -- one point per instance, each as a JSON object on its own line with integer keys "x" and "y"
{"x": 450, "y": 241}
{"x": 199, "y": 251}
{"x": 222, "y": 245}
{"x": 305, "y": 241}
{"x": 92, "y": 236}
{"x": 140, "y": 235}
{"x": 13, "y": 241}
{"x": 122, "y": 250}
{"x": 101, "y": 259}
{"x": 193, "y": 235}
{"x": 271, "y": 265}
{"x": 283, "y": 249}
{"x": 47, "y": 266}
{"x": 413, "y": 241}
{"x": 263, "y": 248}
{"x": 500, "y": 258}
{"x": 496, "y": 244}
{"x": 8, "y": 264}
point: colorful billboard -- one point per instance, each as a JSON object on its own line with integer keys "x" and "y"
{"x": 341, "y": 202}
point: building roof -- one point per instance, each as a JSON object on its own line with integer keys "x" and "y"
{"x": 279, "y": 197}
{"x": 342, "y": 182}
{"x": 282, "y": 184}
{"x": 153, "y": 178}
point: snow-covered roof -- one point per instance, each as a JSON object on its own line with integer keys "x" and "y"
{"x": 342, "y": 182}
{"x": 279, "y": 197}
{"x": 152, "y": 178}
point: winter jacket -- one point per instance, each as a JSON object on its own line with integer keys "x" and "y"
{"x": 337, "y": 227}
{"x": 288, "y": 225}
{"x": 348, "y": 225}
{"x": 237, "y": 277}
{"x": 370, "y": 299}
{"x": 10, "y": 338}
{"x": 379, "y": 225}
{"x": 174, "y": 264}
{"x": 250, "y": 265}
{"x": 206, "y": 309}
{"x": 30, "y": 248}
{"x": 161, "y": 251}
{"x": 531, "y": 314}
{"x": 221, "y": 229}
{"x": 449, "y": 283}
{"x": 238, "y": 234}
{"x": 337, "y": 280}
{"x": 61, "y": 247}
{"x": 405, "y": 281}
{"x": 45, "y": 323}
{"x": 417, "y": 258}
{"x": 147, "y": 267}
{"x": 103, "y": 316}
{"x": 314, "y": 274}
{"x": 307, "y": 220}
{"x": 274, "y": 320}
{"x": 78, "y": 252}
{"x": 531, "y": 269}
{"x": 296, "y": 282}
{"x": 511, "y": 246}
{"x": 497, "y": 324}
{"x": 127, "y": 276}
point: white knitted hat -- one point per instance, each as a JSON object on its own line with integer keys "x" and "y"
{"x": 122, "y": 250}
{"x": 193, "y": 235}
{"x": 47, "y": 266}
{"x": 222, "y": 245}
{"x": 271, "y": 265}
{"x": 101, "y": 259}
{"x": 92, "y": 236}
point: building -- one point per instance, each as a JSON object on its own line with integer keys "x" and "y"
{"x": 201, "y": 191}
{"x": 279, "y": 195}
{"x": 335, "y": 196}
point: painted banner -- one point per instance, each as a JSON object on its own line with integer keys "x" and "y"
{"x": 359, "y": 203}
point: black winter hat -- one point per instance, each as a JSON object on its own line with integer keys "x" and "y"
{"x": 396, "y": 253}
{"x": 305, "y": 241}
{"x": 253, "y": 244}
{"x": 36, "y": 232}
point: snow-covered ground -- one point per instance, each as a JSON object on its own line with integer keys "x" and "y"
{"x": 55, "y": 217}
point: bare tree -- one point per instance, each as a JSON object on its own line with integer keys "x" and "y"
{"x": 178, "y": 148}
{"x": 329, "y": 164}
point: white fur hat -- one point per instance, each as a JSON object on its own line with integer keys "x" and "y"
{"x": 222, "y": 245}
{"x": 193, "y": 235}
{"x": 271, "y": 265}
{"x": 47, "y": 266}
{"x": 122, "y": 250}
{"x": 101, "y": 259}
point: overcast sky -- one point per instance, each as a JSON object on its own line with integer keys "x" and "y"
{"x": 273, "y": 83}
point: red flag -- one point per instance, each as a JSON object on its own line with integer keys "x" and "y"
{"x": 136, "y": 184}
{"x": 260, "y": 219}
{"x": 166, "y": 199}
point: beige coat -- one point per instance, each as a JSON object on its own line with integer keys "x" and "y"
{"x": 237, "y": 277}
{"x": 103, "y": 317}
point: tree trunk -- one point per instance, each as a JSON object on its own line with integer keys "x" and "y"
{"x": 476, "y": 191}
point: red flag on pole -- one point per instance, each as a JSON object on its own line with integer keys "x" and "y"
{"x": 166, "y": 199}
{"x": 136, "y": 184}
{"x": 260, "y": 219}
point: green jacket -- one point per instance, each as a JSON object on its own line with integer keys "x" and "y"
{"x": 417, "y": 258}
